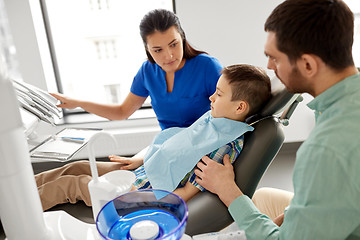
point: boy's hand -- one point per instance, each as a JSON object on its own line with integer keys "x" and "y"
{"x": 129, "y": 163}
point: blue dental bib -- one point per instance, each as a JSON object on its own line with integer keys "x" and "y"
{"x": 175, "y": 151}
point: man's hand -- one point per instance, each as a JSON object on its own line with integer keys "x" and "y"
{"x": 218, "y": 178}
{"x": 129, "y": 163}
{"x": 279, "y": 219}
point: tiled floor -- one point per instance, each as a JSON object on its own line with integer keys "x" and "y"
{"x": 278, "y": 175}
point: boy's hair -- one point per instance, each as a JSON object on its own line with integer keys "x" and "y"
{"x": 321, "y": 27}
{"x": 248, "y": 83}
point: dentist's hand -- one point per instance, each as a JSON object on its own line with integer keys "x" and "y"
{"x": 129, "y": 163}
{"x": 218, "y": 178}
{"x": 66, "y": 102}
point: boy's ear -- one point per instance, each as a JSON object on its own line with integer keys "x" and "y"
{"x": 243, "y": 107}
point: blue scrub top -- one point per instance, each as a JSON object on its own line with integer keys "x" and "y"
{"x": 194, "y": 83}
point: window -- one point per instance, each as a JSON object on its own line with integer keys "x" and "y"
{"x": 356, "y": 47}
{"x": 96, "y": 46}
{"x": 354, "y": 5}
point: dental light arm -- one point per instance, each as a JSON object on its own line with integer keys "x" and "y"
{"x": 20, "y": 209}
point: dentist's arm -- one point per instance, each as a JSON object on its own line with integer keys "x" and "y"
{"x": 218, "y": 179}
{"x": 109, "y": 111}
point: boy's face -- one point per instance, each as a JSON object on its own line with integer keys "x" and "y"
{"x": 221, "y": 104}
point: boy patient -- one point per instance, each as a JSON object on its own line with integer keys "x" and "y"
{"x": 241, "y": 91}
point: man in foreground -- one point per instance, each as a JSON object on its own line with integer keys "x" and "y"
{"x": 309, "y": 46}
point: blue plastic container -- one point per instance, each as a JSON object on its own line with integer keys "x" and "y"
{"x": 141, "y": 211}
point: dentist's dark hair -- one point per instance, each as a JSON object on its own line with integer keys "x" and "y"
{"x": 324, "y": 28}
{"x": 161, "y": 20}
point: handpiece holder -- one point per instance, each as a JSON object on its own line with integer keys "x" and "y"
{"x": 284, "y": 118}
{"x": 21, "y": 213}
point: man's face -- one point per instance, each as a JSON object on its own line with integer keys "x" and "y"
{"x": 278, "y": 61}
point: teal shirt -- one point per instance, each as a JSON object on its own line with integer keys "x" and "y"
{"x": 326, "y": 179}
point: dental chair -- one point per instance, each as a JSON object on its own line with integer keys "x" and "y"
{"x": 206, "y": 212}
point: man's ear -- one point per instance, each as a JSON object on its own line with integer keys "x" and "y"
{"x": 242, "y": 107}
{"x": 308, "y": 65}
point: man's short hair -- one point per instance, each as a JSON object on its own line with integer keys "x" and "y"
{"x": 324, "y": 28}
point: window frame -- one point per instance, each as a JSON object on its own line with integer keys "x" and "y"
{"x": 56, "y": 70}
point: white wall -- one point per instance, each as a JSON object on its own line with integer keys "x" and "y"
{"x": 233, "y": 32}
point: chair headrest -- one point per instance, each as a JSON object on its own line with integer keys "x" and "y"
{"x": 279, "y": 101}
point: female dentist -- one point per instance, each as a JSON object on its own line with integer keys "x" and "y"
{"x": 178, "y": 78}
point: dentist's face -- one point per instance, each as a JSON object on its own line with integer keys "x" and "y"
{"x": 166, "y": 48}
{"x": 278, "y": 61}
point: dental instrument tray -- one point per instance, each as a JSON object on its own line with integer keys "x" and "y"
{"x": 37, "y": 102}
{"x": 63, "y": 145}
